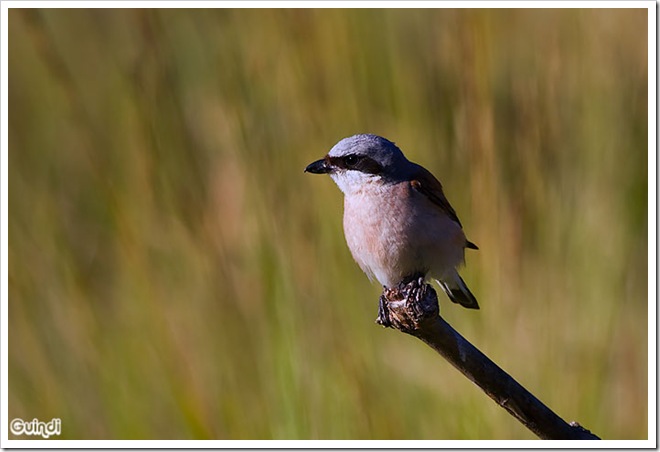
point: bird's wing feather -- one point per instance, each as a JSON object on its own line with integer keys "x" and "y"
{"x": 426, "y": 183}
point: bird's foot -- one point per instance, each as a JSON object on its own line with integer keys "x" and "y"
{"x": 406, "y": 305}
{"x": 383, "y": 312}
{"x": 416, "y": 280}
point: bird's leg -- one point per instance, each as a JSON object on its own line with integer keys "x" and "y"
{"x": 383, "y": 311}
{"x": 414, "y": 289}
{"x": 403, "y": 291}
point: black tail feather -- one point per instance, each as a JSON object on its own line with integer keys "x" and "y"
{"x": 460, "y": 294}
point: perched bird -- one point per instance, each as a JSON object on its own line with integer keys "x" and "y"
{"x": 397, "y": 222}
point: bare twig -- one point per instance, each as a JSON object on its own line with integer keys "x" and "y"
{"x": 413, "y": 309}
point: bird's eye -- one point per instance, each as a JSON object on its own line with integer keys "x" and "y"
{"x": 351, "y": 160}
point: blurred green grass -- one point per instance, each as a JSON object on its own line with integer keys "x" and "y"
{"x": 174, "y": 274}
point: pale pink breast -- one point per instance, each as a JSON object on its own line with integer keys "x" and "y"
{"x": 394, "y": 231}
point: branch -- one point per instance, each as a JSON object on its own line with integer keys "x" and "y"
{"x": 413, "y": 309}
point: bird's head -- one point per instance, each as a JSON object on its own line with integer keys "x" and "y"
{"x": 359, "y": 160}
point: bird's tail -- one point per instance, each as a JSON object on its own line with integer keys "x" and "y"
{"x": 457, "y": 290}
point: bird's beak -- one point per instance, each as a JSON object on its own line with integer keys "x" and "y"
{"x": 318, "y": 167}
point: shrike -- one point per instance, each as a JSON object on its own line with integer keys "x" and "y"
{"x": 397, "y": 222}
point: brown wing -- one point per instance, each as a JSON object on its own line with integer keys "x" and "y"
{"x": 426, "y": 183}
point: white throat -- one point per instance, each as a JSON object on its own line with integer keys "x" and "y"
{"x": 351, "y": 182}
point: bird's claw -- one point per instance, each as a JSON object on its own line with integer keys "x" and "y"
{"x": 383, "y": 313}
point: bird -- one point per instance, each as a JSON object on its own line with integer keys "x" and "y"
{"x": 397, "y": 221}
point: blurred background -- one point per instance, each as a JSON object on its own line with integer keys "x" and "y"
{"x": 175, "y": 275}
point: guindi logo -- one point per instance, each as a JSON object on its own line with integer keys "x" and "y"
{"x": 36, "y": 427}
